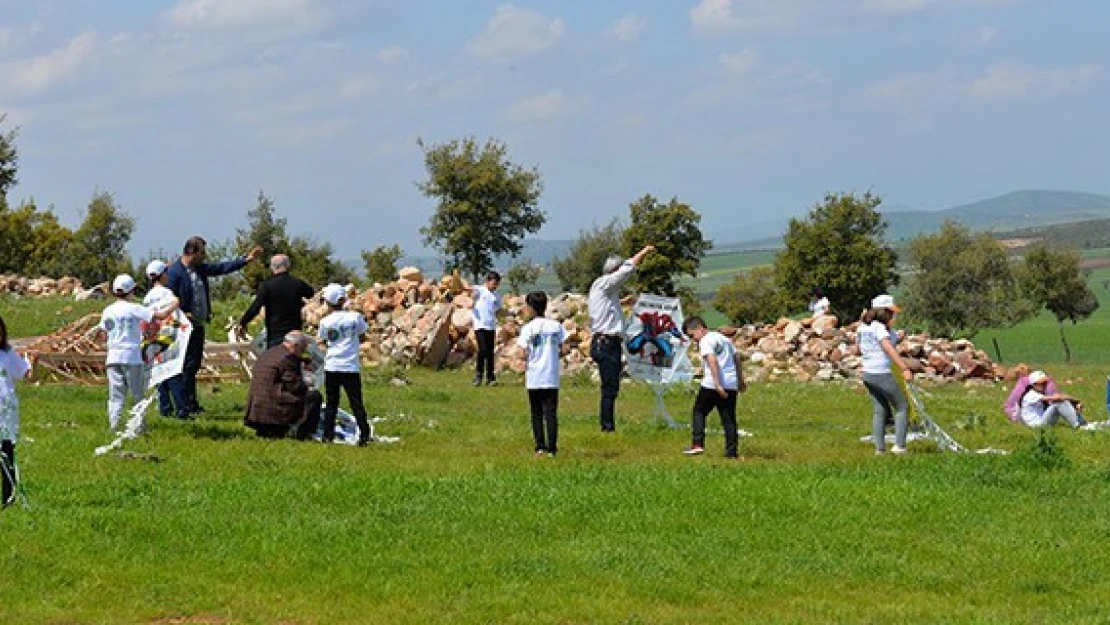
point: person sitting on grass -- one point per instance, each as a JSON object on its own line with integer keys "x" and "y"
{"x": 541, "y": 339}
{"x": 720, "y": 384}
{"x": 279, "y": 398}
{"x": 1012, "y": 407}
{"x": 1041, "y": 408}
{"x": 340, "y": 332}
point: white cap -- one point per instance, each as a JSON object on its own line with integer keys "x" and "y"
{"x": 123, "y": 284}
{"x": 1037, "y": 376}
{"x": 333, "y": 293}
{"x": 155, "y": 268}
{"x": 885, "y": 301}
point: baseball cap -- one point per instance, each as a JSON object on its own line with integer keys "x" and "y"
{"x": 123, "y": 284}
{"x": 1037, "y": 376}
{"x": 155, "y": 268}
{"x": 333, "y": 293}
{"x": 885, "y": 301}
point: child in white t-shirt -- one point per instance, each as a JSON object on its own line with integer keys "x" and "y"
{"x": 159, "y": 299}
{"x": 487, "y": 301}
{"x": 340, "y": 332}
{"x": 818, "y": 303}
{"x": 12, "y": 367}
{"x": 541, "y": 340}
{"x": 122, "y": 322}
{"x": 1040, "y": 408}
{"x": 720, "y": 385}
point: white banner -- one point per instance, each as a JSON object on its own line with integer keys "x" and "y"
{"x": 654, "y": 341}
{"x": 164, "y": 344}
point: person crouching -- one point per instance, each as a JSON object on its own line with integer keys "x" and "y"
{"x": 279, "y": 398}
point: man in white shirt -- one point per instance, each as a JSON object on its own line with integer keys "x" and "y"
{"x": 487, "y": 301}
{"x": 607, "y": 328}
{"x": 720, "y": 384}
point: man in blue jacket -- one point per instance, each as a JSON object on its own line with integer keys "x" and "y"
{"x": 188, "y": 279}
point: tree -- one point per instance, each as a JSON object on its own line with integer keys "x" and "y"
{"x": 227, "y": 286}
{"x": 486, "y": 204}
{"x": 265, "y": 229}
{"x": 673, "y": 228}
{"x": 1052, "y": 279}
{"x": 99, "y": 249}
{"x": 753, "y": 296}
{"x": 315, "y": 263}
{"x": 522, "y": 274}
{"x": 962, "y": 283}
{"x": 9, "y": 159}
{"x": 381, "y": 263}
{"x": 586, "y": 257}
{"x": 839, "y": 247}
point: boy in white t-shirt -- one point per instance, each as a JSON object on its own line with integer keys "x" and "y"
{"x": 721, "y": 382}
{"x": 541, "y": 340}
{"x": 159, "y": 299}
{"x": 340, "y": 332}
{"x": 122, "y": 322}
{"x": 487, "y": 301}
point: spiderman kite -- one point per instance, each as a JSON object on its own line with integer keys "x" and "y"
{"x": 654, "y": 330}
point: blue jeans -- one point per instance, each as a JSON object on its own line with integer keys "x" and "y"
{"x": 183, "y": 388}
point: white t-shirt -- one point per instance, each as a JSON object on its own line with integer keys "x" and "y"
{"x": 158, "y": 298}
{"x": 12, "y": 367}
{"x": 122, "y": 321}
{"x": 542, "y": 338}
{"x": 340, "y": 330}
{"x": 870, "y": 339}
{"x": 720, "y": 347}
{"x": 604, "y": 302}
{"x": 1033, "y": 408}
{"x": 486, "y": 305}
{"x": 820, "y": 307}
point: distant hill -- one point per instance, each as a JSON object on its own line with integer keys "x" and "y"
{"x": 1083, "y": 235}
{"x": 1029, "y": 208}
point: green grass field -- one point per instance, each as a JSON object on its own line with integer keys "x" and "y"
{"x": 458, "y": 522}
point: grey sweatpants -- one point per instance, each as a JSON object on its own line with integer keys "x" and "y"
{"x": 122, "y": 380}
{"x": 886, "y": 397}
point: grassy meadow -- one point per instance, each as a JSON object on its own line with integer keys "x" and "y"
{"x": 458, "y": 522}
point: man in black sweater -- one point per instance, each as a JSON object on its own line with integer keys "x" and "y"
{"x": 282, "y": 295}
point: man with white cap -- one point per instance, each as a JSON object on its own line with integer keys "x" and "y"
{"x": 1041, "y": 409}
{"x": 159, "y": 298}
{"x": 607, "y": 328}
{"x": 283, "y": 296}
{"x": 122, "y": 322}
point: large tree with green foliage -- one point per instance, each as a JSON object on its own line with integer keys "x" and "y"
{"x": 674, "y": 229}
{"x": 753, "y": 296}
{"x": 486, "y": 204}
{"x": 266, "y": 230}
{"x": 99, "y": 248}
{"x": 381, "y": 263}
{"x": 838, "y": 247}
{"x": 1052, "y": 279}
{"x": 961, "y": 283}
{"x": 586, "y": 257}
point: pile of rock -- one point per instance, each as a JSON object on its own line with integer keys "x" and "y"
{"x": 818, "y": 349}
{"x": 417, "y": 321}
{"x": 38, "y": 287}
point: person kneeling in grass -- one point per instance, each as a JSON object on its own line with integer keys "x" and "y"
{"x": 1042, "y": 408}
{"x": 541, "y": 339}
{"x": 721, "y": 383}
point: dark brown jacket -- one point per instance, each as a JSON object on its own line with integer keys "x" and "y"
{"x": 277, "y": 392}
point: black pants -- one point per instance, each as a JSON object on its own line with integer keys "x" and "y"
{"x": 706, "y": 401}
{"x": 485, "y": 354}
{"x": 545, "y": 420}
{"x": 7, "y": 472}
{"x": 605, "y": 350}
{"x": 352, "y": 385}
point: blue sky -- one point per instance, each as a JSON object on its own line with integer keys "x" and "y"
{"x": 749, "y": 110}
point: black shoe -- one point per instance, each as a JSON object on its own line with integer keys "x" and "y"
{"x": 477, "y": 381}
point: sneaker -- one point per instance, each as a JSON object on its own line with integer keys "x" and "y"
{"x": 898, "y": 451}
{"x": 694, "y": 451}
{"x": 540, "y": 453}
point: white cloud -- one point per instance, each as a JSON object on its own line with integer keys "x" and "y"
{"x": 513, "y": 33}
{"x": 1009, "y": 81}
{"x": 217, "y": 14}
{"x": 392, "y": 54}
{"x": 628, "y": 28}
{"x": 543, "y": 106}
{"x": 34, "y": 75}
{"x": 741, "y": 62}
